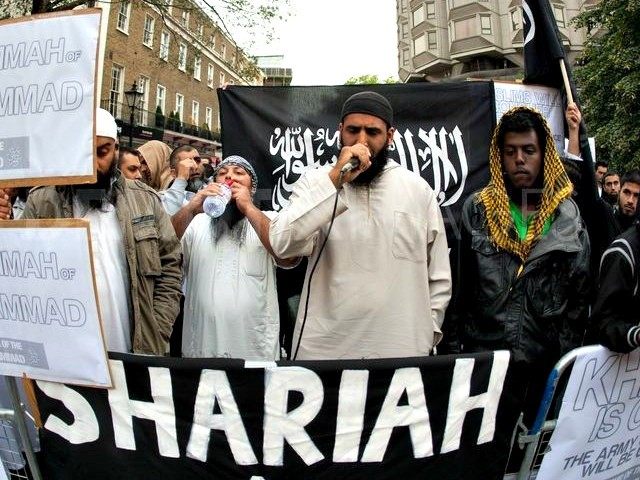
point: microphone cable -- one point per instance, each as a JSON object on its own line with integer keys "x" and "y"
{"x": 315, "y": 264}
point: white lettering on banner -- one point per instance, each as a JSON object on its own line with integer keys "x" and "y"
{"x": 298, "y": 149}
{"x": 85, "y": 427}
{"x": 461, "y": 402}
{"x": 214, "y": 388}
{"x": 350, "y": 418}
{"x": 282, "y": 426}
{"x": 161, "y": 410}
{"x": 414, "y": 415}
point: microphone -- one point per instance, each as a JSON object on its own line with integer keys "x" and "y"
{"x": 350, "y": 165}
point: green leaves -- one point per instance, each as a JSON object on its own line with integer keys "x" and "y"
{"x": 609, "y": 80}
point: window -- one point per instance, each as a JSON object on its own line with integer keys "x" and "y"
{"x": 432, "y": 40}
{"x": 558, "y": 12}
{"x": 124, "y": 12}
{"x": 485, "y": 24}
{"x": 418, "y": 15}
{"x": 221, "y": 78}
{"x": 212, "y": 41}
{"x": 208, "y": 115}
{"x": 161, "y": 94}
{"x": 147, "y": 32}
{"x": 419, "y": 44}
{"x": 405, "y": 57}
{"x": 405, "y": 30}
{"x": 224, "y": 51}
{"x": 141, "y": 112}
{"x": 431, "y": 10}
{"x": 184, "y": 19}
{"x": 182, "y": 57}
{"x": 115, "y": 90}
{"x": 465, "y": 28}
{"x": 516, "y": 21}
{"x": 197, "y": 67}
{"x": 180, "y": 106}
{"x": 210, "y": 76}
{"x": 200, "y": 30}
{"x": 195, "y": 113}
{"x": 164, "y": 46}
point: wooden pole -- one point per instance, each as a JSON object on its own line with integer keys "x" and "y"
{"x": 565, "y": 78}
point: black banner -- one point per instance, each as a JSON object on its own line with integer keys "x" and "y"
{"x": 442, "y": 132}
{"x": 446, "y": 417}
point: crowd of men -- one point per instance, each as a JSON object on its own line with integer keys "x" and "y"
{"x": 378, "y": 281}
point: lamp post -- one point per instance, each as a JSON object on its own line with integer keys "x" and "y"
{"x": 132, "y": 96}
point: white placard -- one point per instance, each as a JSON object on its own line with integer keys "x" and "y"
{"x": 546, "y": 100}
{"x": 47, "y": 98}
{"x": 597, "y": 436}
{"x": 49, "y": 323}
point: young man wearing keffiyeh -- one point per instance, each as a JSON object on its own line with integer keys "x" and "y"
{"x": 524, "y": 273}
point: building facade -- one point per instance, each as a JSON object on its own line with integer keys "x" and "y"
{"x": 177, "y": 58}
{"x": 457, "y": 39}
{"x": 276, "y": 74}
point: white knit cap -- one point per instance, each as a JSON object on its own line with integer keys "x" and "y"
{"x": 106, "y": 124}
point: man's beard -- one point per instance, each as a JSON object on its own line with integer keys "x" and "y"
{"x": 195, "y": 184}
{"x": 229, "y": 220}
{"x": 93, "y": 195}
{"x": 610, "y": 198}
{"x": 378, "y": 162}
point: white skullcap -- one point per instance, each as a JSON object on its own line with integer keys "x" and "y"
{"x": 106, "y": 124}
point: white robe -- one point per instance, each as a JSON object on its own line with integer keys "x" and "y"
{"x": 383, "y": 281}
{"x": 231, "y": 304}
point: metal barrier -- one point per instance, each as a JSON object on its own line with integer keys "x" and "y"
{"x": 16, "y": 450}
{"x": 537, "y": 438}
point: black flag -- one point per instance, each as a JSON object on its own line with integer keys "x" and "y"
{"x": 542, "y": 44}
{"x": 543, "y": 52}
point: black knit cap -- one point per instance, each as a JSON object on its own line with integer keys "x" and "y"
{"x": 371, "y": 103}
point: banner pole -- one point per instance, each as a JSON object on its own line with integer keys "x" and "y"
{"x": 18, "y": 417}
{"x": 565, "y": 79}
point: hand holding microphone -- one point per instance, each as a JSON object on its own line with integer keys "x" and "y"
{"x": 350, "y": 165}
{"x": 352, "y": 161}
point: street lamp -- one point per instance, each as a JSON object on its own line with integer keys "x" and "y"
{"x": 132, "y": 96}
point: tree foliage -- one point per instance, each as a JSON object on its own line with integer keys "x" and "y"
{"x": 609, "y": 80}
{"x": 368, "y": 80}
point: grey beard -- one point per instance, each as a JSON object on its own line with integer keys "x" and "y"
{"x": 194, "y": 185}
{"x": 237, "y": 230}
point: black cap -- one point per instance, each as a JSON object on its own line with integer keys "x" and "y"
{"x": 371, "y": 103}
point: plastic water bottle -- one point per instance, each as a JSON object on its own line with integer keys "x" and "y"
{"x": 215, "y": 206}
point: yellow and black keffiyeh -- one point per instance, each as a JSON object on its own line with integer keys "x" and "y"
{"x": 556, "y": 188}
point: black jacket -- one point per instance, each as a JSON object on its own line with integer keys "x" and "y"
{"x": 538, "y": 315}
{"x": 616, "y": 313}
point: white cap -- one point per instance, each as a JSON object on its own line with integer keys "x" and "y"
{"x": 106, "y": 124}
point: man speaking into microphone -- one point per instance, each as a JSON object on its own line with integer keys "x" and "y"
{"x": 378, "y": 278}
